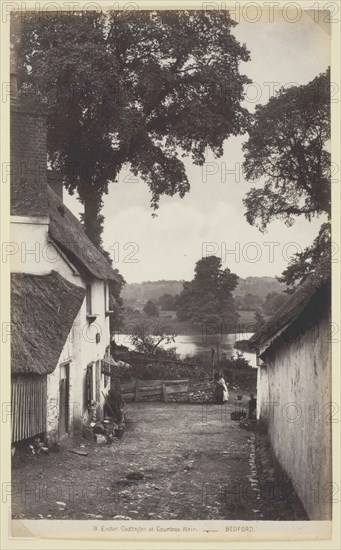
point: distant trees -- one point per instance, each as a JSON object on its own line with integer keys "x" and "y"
{"x": 151, "y": 309}
{"x": 207, "y": 300}
{"x": 168, "y": 302}
{"x": 268, "y": 305}
{"x": 248, "y": 302}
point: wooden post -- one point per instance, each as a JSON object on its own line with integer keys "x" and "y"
{"x": 218, "y": 352}
{"x": 164, "y": 393}
{"x": 212, "y": 361}
{"x": 137, "y": 390}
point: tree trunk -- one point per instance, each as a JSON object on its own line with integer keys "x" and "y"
{"x": 91, "y": 198}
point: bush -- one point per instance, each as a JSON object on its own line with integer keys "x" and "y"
{"x": 238, "y": 362}
{"x": 166, "y": 365}
{"x": 170, "y": 371}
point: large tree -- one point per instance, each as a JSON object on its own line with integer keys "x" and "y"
{"x": 288, "y": 150}
{"x": 207, "y": 300}
{"x": 141, "y": 89}
{"x": 315, "y": 258}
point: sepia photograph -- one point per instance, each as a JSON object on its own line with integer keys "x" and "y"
{"x": 171, "y": 255}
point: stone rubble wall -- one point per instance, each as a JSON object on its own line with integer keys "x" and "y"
{"x": 181, "y": 397}
{"x": 201, "y": 396}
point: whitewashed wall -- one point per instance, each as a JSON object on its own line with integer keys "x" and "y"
{"x": 88, "y": 350}
{"x": 80, "y": 350}
{"x": 297, "y": 384}
{"x": 30, "y": 251}
{"x": 262, "y": 393}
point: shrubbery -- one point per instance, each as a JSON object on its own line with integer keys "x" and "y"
{"x": 167, "y": 365}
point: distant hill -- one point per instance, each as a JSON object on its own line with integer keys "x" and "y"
{"x": 138, "y": 293}
{"x": 150, "y": 290}
{"x": 260, "y": 286}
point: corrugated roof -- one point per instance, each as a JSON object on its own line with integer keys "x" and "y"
{"x": 289, "y": 313}
{"x": 43, "y": 309}
{"x": 68, "y": 233}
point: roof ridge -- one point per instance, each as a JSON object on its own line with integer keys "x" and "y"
{"x": 72, "y": 237}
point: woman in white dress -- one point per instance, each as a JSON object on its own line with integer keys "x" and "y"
{"x": 221, "y": 391}
{"x": 222, "y": 382}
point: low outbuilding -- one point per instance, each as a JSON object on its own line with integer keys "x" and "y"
{"x": 294, "y": 390}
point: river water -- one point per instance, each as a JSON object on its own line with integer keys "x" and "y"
{"x": 190, "y": 344}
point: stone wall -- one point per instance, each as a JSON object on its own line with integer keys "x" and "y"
{"x": 173, "y": 391}
{"x": 197, "y": 396}
{"x": 201, "y": 396}
{"x": 181, "y": 397}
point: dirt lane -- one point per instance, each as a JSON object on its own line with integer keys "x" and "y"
{"x": 192, "y": 460}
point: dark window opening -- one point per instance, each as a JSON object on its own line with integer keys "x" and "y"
{"x": 88, "y": 300}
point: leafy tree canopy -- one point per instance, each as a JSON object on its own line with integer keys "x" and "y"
{"x": 248, "y": 301}
{"x": 141, "y": 89}
{"x": 315, "y": 258}
{"x": 287, "y": 146}
{"x": 207, "y": 300}
{"x": 150, "y": 337}
{"x": 151, "y": 309}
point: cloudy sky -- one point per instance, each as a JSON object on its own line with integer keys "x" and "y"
{"x": 166, "y": 247}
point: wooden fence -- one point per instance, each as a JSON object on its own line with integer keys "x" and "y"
{"x": 197, "y": 389}
{"x": 28, "y": 407}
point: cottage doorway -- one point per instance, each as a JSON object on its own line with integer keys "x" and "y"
{"x": 64, "y": 398}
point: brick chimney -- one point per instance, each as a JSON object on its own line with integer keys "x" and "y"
{"x": 28, "y": 152}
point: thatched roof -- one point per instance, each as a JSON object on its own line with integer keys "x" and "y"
{"x": 297, "y": 312}
{"x": 43, "y": 310}
{"x": 68, "y": 233}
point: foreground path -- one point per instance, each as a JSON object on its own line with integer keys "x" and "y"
{"x": 188, "y": 461}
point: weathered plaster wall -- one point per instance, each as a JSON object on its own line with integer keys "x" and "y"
{"x": 294, "y": 397}
{"x": 80, "y": 350}
{"x": 68, "y": 356}
{"x": 90, "y": 351}
{"x": 262, "y": 394}
{"x": 31, "y": 251}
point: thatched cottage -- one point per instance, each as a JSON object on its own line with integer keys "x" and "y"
{"x": 294, "y": 390}
{"x": 60, "y": 294}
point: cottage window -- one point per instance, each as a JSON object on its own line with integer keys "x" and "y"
{"x": 106, "y": 297}
{"x": 88, "y": 300}
{"x": 90, "y": 314}
{"x": 107, "y": 300}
